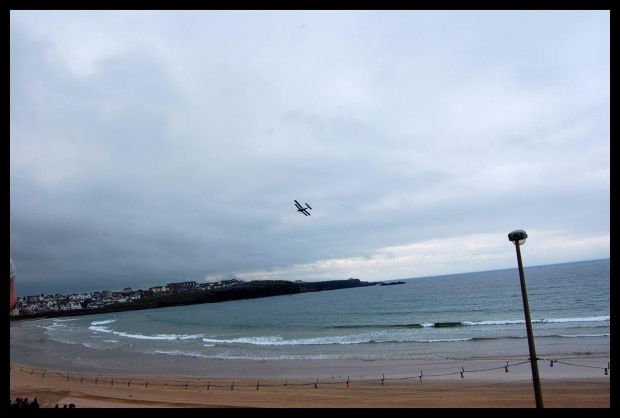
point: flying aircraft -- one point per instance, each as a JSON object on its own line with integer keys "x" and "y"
{"x": 302, "y": 209}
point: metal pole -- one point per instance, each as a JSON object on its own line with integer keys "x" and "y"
{"x": 530, "y": 334}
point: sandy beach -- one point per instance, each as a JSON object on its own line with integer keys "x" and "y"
{"x": 63, "y": 374}
{"x": 571, "y": 387}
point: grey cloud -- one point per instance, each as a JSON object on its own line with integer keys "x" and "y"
{"x": 176, "y": 151}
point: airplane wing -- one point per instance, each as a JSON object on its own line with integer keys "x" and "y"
{"x": 302, "y": 209}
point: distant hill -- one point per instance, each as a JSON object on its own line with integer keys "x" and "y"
{"x": 238, "y": 291}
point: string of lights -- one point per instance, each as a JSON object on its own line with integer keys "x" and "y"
{"x": 198, "y": 383}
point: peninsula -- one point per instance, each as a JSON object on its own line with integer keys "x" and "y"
{"x": 235, "y": 291}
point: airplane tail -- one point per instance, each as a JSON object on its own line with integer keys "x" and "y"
{"x": 308, "y": 206}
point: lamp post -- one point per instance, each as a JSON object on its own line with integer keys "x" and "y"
{"x": 518, "y": 238}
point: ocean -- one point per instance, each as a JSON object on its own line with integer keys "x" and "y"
{"x": 459, "y": 316}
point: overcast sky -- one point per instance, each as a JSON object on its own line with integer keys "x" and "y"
{"x": 150, "y": 147}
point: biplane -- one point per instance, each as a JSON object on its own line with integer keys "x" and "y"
{"x": 302, "y": 209}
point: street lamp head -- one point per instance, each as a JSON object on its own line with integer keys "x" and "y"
{"x": 517, "y": 236}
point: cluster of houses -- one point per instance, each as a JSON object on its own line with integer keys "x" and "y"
{"x": 41, "y": 304}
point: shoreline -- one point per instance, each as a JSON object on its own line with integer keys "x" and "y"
{"x": 59, "y": 373}
{"x": 32, "y": 347}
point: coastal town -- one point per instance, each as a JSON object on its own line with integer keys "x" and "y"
{"x": 48, "y": 304}
{"x": 171, "y": 294}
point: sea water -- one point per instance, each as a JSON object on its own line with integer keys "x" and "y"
{"x": 470, "y": 315}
